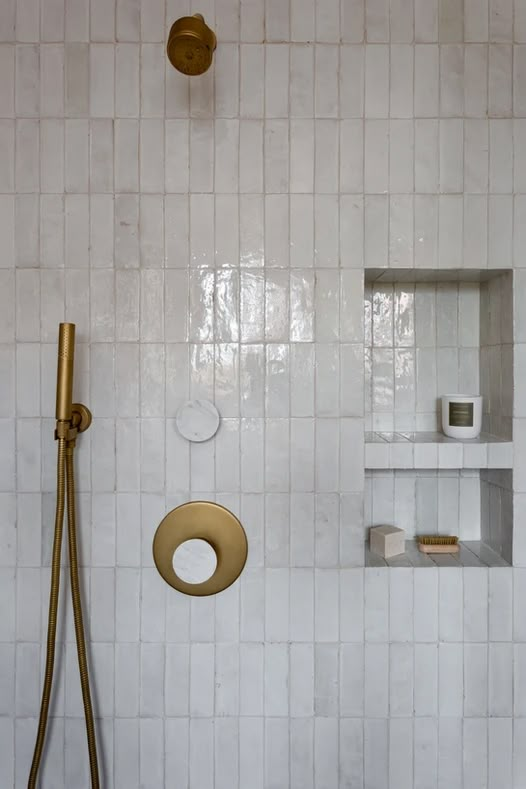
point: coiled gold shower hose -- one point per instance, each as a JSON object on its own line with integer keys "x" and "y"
{"x": 65, "y": 489}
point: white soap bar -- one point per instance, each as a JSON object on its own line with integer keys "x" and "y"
{"x": 387, "y": 541}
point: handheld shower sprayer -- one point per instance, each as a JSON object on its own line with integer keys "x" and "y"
{"x": 66, "y": 357}
{"x": 72, "y": 418}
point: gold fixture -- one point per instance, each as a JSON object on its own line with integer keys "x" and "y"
{"x": 80, "y": 417}
{"x": 66, "y": 353}
{"x": 72, "y": 418}
{"x": 191, "y": 45}
{"x": 202, "y": 520}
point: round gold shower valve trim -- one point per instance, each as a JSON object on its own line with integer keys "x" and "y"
{"x": 202, "y": 520}
{"x": 191, "y": 45}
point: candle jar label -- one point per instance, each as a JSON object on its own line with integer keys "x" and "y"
{"x": 461, "y": 414}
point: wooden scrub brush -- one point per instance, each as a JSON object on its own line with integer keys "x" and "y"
{"x": 438, "y": 543}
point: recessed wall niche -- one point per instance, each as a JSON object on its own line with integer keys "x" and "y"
{"x": 429, "y": 333}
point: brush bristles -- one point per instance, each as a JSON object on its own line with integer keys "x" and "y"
{"x": 437, "y": 539}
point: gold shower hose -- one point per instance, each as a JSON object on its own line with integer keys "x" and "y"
{"x": 65, "y": 489}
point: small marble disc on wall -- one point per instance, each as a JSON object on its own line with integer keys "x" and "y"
{"x": 197, "y": 420}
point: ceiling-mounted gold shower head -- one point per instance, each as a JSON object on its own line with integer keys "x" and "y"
{"x": 191, "y": 45}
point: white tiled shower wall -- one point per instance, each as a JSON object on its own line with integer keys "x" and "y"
{"x": 425, "y": 501}
{"x": 208, "y": 237}
{"x": 496, "y": 355}
{"x": 421, "y": 340}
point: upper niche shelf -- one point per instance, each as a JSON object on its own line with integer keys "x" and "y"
{"x": 429, "y": 450}
{"x": 379, "y": 275}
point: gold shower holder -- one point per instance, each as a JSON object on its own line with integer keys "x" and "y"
{"x": 80, "y": 421}
{"x": 201, "y": 520}
{"x": 80, "y": 417}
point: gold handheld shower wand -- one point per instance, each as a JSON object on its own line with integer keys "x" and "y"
{"x": 68, "y": 414}
{"x": 66, "y": 356}
{"x": 72, "y": 418}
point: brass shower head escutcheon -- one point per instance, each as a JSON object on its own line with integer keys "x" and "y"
{"x": 191, "y": 45}
{"x": 201, "y": 520}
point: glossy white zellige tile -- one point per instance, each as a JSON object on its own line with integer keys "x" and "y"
{"x": 252, "y": 59}
{"x": 302, "y": 605}
{"x": 7, "y": 139}
{"x": 500, "y": 81}
{"x": 277, "y": 620}
{"x": 302, "y": 295}
{"x": 326, "y": 81}
{"x": 376, "y": 751}
{"x": 251, "y": 156}
{"x": 451, "y": 157}
{"x": 475, "y": 89}
{"x": 400, "y": 752}
{"x": 276, "y": 237}
{"x": 277, "y": 155}
{"x": 451, "y": 83}
{"x": 127, "y": 99}
{"x": 426, "y": 150}
{"x": 451, "y": 673}
{"x": 476, "y": 21}
{"x": 7, "y": 91}
{"x": 102, "y": 21}
{"x": 426, "y": 22}
{"x": 276, "y": 81}
{"x": 401, "y": 81}
{"x": 401, "y": 155}
{"x": 426, "y": 65}
{"x": 301, "y": 81}
{"x": 501, "y": 156}
{"x": 400, "y": 680}
{"x": 201, "y": 96}
{"x": 176, "y": 733}
{"x": 377, "y": 21}
{"x": 402, "y": 22}
{"x": 376, "y": 156}
{"x": 128, "y": 21}
{"x": 27, "y": 81}
{"x": 426, "y": 680}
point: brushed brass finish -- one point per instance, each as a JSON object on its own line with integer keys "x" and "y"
{"x": 66, "y": 356}
{"x": 80, "y": 417}
{"x": 76, "y": 601}
{"x": 71, "y": 419}
{"x": 202, "y": 520}
{"x": 191, "y": 45}
{"x": 52, "y": 616}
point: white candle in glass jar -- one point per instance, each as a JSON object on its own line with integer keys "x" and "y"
{"x": 461, "y": 415}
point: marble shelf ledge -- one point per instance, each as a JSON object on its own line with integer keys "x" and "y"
{"x": 403, "y": 450}
{"x": 472, "y": 554}
{"x": 382, "y": 275}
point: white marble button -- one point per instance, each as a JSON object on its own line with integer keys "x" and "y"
{"x": 195, "y": 561}
{"x": 197, "y": 420}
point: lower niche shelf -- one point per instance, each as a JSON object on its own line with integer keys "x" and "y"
{"x": 473, "y": 553}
